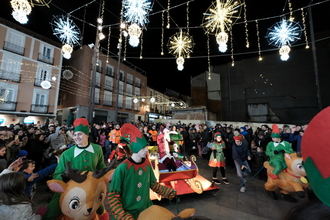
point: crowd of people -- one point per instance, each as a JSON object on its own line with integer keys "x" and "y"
{"x": 32, "y": 151}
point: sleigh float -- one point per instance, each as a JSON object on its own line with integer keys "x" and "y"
{"x": 185, "y": 180}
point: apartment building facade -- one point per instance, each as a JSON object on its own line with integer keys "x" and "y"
{"x": 75, "y": 92}
{"x": 27, "y": 59}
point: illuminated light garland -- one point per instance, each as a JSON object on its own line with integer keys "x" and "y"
{"x": 258, "y": 39}
{"x": 141, "y": 47}
{"x": 168, "y": 14}
{"x": 45, "y": 84}
{"x": 291, "y": 18}
{"x": 282, "y": 35}
{"x": 162, "y": 39}
{"x": 305, "y": 27}
{"x": 180, "y": 45}
{"x": 247, "y": 45}
{"x": 125, "y": 47}
{"x": 21, "y": 9}
{"x": 208, "y": 58}
{"x": 134, "y": 32}
{"x": 66, "y": 51}
{"x": 187, "y": 10}
{"x": 220, "y": 17}
{"x": 108, "y": 45}
{"x": 232, "y": 48}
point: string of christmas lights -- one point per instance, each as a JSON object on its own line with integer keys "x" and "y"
{"x": 187, "y": 10}
{"x": 141, "y": 46}
{"x": 232, "y": 48}
{"x": 108, "y": 45}
{"x": 168, "y": 14}
{"x": 208, "y": 57}
{"x": 162, "y": 38}
{"x": 247, "y": 45}
{"x": 258, "y": 40}
{"x": 305, "y": 27}
{"x": 291, "y": 18}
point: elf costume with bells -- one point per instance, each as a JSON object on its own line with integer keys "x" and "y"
{"x": 275, "y": 151}
{"x": 316, "y": 154}
{"x": 128, "y": 192}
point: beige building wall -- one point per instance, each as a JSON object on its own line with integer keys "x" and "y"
{"x": 30, "y": 64}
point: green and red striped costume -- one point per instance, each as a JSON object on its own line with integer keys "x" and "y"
{"x": 128, "y": 192}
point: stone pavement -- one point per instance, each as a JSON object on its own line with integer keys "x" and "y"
{"x": 227, "y": 203}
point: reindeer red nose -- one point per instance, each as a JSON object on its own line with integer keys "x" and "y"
{"x": 89, "y": 210}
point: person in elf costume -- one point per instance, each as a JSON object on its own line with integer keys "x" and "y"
{"x": 128, "y": 192}
{"x": 83, "y": 156}
{"x": 120, "y": 153}
{"x": 275, "y": 150}
{"x": 217, "y": 158}
{"x": 164, "y": 151}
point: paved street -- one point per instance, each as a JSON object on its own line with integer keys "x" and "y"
{"x": 227, "y": 203}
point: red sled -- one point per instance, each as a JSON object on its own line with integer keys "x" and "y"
{"x": 185, "y": 180}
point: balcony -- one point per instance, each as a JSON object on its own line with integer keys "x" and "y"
{"x": 4, "y": 74}
{"x": 13, "y": 48}
{"x": 8, "y": 106}
{"x": 45, "y": 59}
{"x": 137, "y": 84}
{"x": 39, "y": 108}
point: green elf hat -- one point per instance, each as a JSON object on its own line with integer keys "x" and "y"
{"x": 316, "y": 153}
{"x": 134, "y": 136}
{"x": 275, "y": 132}
{"x": 81, "y": 124}
{"x": 216, "y": 134}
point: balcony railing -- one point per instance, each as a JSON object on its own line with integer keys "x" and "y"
{"x": 39, "y": 108}
{"x": 8, "y": 105}
{"x": 13, "y": 48}
{"x": 45, "y": 59}
{"x": 4, "y": 74}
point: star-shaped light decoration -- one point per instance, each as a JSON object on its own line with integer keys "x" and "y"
{"x": 136, "y": 15}
{"x": 67, "y": 32}
{"x": 220, "y": 16}
{"x": 180, "y": 45}
{"x": 282, "y": 35}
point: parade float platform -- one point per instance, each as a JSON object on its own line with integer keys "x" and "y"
{"x": 185, "y": 180}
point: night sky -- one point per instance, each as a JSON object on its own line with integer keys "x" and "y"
{"x": 161, "y": 70}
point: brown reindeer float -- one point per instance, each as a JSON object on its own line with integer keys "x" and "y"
{"x": 82, "y": 193}
{"x": 292, "y": 179}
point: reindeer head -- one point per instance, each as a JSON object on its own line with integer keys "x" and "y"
{"x": 295, "y": 164}
{"x": 82, "y": 193}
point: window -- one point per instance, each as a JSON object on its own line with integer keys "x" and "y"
{"x": 129, "y": 89}
{"x": 137, "y": 106}
{"x": 40, "y": 101}
{"x": 137, "y": 91}
{"x": 129, "y": 78}
{"x": 97, "y": 96}
{"x": 128, "y": 102}
{"x": 10, "y": 67}
{"x": 108, "y": 83}
{"x": 43, "y": 73}
{"x": 109, "y": 70}
{"x": 121, "y": 87}
{"x": 46, "y": 54}
{"x": 98, "y": 79}
{"x": 138, "y": 82}
{"x": 107, "y": 99}
{"x": 122, "y": 76}
{"x": 120, "y": 101}
{"x": 15, "y": 42}
{"x": 8, "y": 96}
{"x": 99, "y": 66}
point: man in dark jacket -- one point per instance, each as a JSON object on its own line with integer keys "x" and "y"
{"x": 241, "y": 155}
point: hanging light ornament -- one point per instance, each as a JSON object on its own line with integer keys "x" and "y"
{"x": 180, "y": 45}
{"x": 67, "y": 32}
{"x": 135, "y": 14}
{"x": 21, "y": 9}
{"x": 45, "y": 84}
{"x": 282, "y": 35}
{"x": 220, "y": 16}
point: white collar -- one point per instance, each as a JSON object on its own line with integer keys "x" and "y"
{"x": 77, "y": 150}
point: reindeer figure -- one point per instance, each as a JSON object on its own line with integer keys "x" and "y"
{"x": 292, "y": 179}
{"x": 82, "y": 193}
